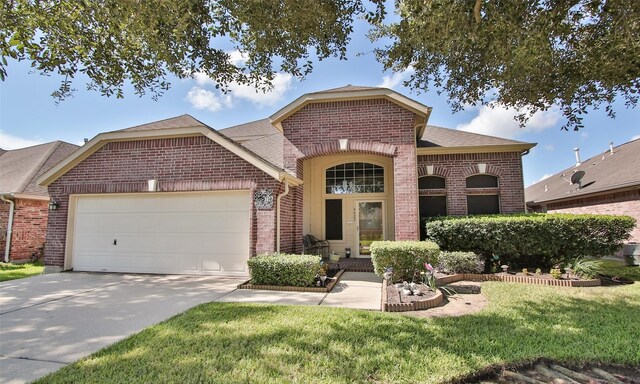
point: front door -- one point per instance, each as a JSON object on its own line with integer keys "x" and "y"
{"x": 370, "y": 226}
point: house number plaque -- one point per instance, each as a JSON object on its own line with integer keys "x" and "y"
{"x": 263, "y": 199}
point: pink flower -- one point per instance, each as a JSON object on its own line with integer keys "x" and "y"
{"x": 428, "y": 266}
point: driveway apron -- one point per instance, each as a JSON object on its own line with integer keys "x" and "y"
{"x": 52, "y": 320}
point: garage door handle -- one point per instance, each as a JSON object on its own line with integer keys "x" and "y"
{"x": 115, "y": 241}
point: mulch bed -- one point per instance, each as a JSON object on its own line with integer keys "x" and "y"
{"x": 333, "y": 276}
{"x": 518, "y": 278}
{"x": 394, "y": 302}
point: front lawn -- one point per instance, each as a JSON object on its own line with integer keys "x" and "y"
{"x": 10, "y": 271}
{"x": 615, "y": 268}
{"x": 241, "y": 343}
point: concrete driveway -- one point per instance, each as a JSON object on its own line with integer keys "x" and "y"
{"x": 52, "y": 320}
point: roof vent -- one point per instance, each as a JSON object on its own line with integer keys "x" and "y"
{"x": 577, "y": 151}
{"x": 546, "y": 188}
{"x": 611, "y": 148}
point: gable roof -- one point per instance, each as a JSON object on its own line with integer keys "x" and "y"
{"x": 180, "y": 126}
{"x": 602, "y": 172}
{"x": 439, "y": 140}
{"x": 352, "y": 92}
{"x": 20, "y": 168}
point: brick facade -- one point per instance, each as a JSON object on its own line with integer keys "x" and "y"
{"x": 455, "y": 168}
{"x": 179, "y": 164}
{"x": 29, "y": 229}
{"x": 615, "y": 203}
{"x": 375, "y": 126}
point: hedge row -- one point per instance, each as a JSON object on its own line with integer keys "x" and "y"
{"x": 405, "y": 257}
{"x": 532, "y": 240}
{"x": 284, "y": 269}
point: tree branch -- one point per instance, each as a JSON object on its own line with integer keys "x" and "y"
{"x": 476, "y": 11}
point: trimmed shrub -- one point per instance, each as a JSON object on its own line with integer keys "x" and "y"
{"x": 527, "y": 240}
{"x": 460, "y": 262}
{"x": 284, "y": 269}
{"x": 405, "y": 257}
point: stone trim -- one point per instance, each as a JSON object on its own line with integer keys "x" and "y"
{"x": 283, "y": 288}
{"x": 472, "y": 170}
{"x": 517, "y": 279}
{"x": 333, "y": 147}
{"x": 437, "y": 171}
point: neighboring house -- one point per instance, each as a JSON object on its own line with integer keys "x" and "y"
{"x": 609, "y": 184}
{"x": 351, "y": 165}
{"x": 24, "y": 204}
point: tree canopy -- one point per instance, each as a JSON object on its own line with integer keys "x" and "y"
{"x": 142, "y": 42}
{"x": 528, "y": 54}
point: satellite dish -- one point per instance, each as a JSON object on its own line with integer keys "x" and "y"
{"x": 576, "y": 177}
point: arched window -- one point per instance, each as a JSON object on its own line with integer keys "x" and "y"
{"x": 482, "y": 181}
{"x": 431, "y": 182}
{"x": 355, "y": 178}
{"x": 487, "y": 201}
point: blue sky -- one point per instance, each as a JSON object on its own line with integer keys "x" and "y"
{"x": 29, "y": 115}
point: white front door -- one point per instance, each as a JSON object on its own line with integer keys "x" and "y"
{"x": 176, "y": 233}
{"x": 370, "y": 225}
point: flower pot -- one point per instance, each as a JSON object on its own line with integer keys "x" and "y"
{"x": 631, "y": 253}
{"x": 334, "y": 257}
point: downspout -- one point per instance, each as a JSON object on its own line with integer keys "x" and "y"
{"x": 280, "y": 196}
{"x": 7, "y": 244}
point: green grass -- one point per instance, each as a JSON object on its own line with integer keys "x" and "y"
{"x": 10, "y": 271}
{"x": 618, "y": 268}
{"x": 242, "y": 343}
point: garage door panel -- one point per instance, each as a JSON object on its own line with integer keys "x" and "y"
{"x": 205, "y": 233}
{"x": 225, "y": 222}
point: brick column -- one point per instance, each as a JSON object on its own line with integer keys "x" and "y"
{"x": 405, "y": 190}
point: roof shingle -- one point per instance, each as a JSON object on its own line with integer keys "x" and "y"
{"x": 603, "y": 172}
{"x": 20, "y": 168}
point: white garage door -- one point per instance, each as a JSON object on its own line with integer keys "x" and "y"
{"x": 181, "y": 233}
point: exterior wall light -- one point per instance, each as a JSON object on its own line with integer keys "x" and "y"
{"x": 53, "y": 205}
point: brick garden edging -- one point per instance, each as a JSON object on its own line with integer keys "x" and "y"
{"x": 517, "y": 279}
{"x": 287, "y": 288}
{"x": 413, "y": 306}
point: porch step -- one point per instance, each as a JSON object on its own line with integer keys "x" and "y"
{"x": 356, "y": 265}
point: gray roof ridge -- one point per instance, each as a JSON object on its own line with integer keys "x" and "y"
{"x": 241, "y": 124}
{"x": 476, "y": 134}
{"x": 154, "y": 122}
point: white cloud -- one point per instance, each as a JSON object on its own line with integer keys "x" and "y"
{"x": 282, "y": 82}
{"x": 396, "y": 78}
{"x": 8, "y": 141}
{"x": 636, "y": 137}
{"x": 203, "y": 99}
{"x": 499, "y": 121}
{"x": 549, "y": 147}
{"x": 216, "y": 100}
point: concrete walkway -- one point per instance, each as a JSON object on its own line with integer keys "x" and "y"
{"x": 356, "y": 290}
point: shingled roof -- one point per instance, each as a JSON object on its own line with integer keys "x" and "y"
{"x": 603, "y": 172}
{"x": 20, "y": 168}
{"x": 445, "y": 137}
